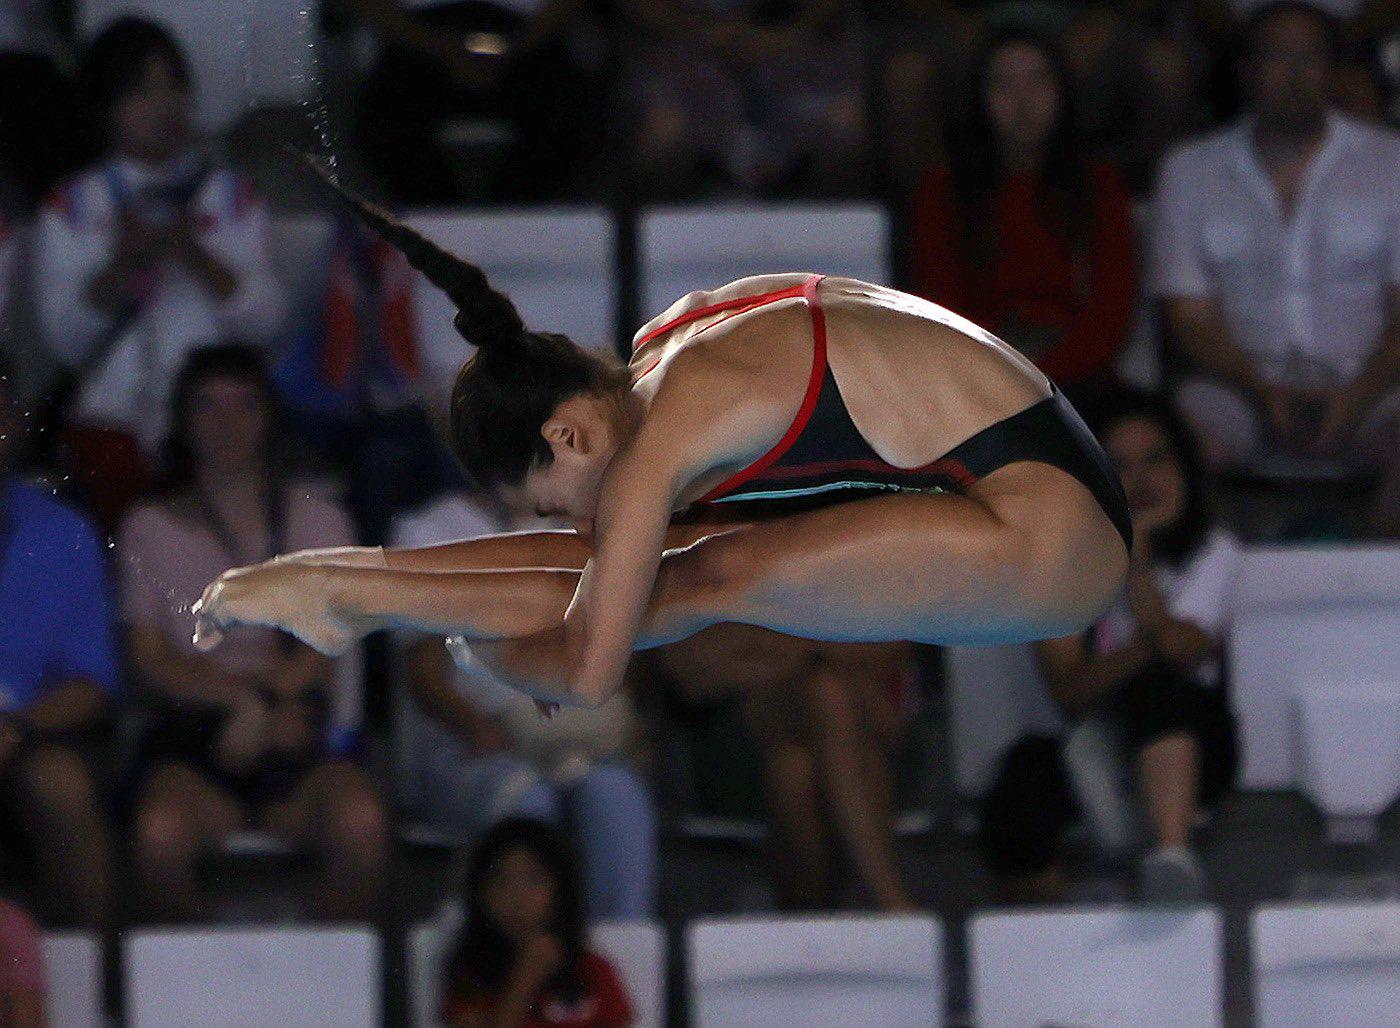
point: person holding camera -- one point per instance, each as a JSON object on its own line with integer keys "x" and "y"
{"x": 246, "y": 737}
{"x": 150, "y": 252}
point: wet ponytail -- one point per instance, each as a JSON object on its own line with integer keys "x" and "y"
{"x": 508, "y": 389}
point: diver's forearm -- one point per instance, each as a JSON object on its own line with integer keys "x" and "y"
{"x": 476, "y": 604}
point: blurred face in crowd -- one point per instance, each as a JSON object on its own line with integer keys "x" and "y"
{"x": 1289, "y": 70}
{"x": 1022, "y": 97}
{"x": 228, "y": 424}
{"x": 152, "y": 120}
{"x": 1152, "y": 475}
{"x": 519, "y": 894}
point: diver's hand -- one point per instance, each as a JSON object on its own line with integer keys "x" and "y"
{"x": 294, "y": 597}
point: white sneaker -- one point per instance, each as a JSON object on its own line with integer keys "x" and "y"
{"x": 1172, "y": 875}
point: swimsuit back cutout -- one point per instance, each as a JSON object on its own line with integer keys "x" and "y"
{"x": 822, "y": 450}
{"x": 823, "y": 458}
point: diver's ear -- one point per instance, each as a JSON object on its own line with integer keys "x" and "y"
{"x": 564, "y": 433}
{"x": 571, "y": 427}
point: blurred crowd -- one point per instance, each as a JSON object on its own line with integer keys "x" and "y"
{"x": 1220, "y": 178}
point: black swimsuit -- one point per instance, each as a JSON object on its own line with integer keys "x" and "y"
{"x": 823, "y": 458}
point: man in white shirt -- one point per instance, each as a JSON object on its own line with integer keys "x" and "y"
{"x": 1276, "y": 254}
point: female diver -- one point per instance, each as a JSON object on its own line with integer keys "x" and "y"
{"x": 898, "y": 474}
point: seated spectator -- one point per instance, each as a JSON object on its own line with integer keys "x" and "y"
{"x": 486, "y": 752}
{"x": 522, "y": 957}
{"x": 242, "y": 736}
{"x": 1022, "y": 233}
{"x": 825, "y": 773}
{"x": 1153, "y": 664}
{"x": 919, "y": 56}
{"x": 759, "y": 98}
{"x": 150, "y": 253}
{"x": 21, "y": 969}
{"x": 1276, "y": 255}
{"x": 536, "y": 65}
{"x": 58, "y": 681}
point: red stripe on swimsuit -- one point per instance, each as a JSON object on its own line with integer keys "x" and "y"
{"x": 822, "y": 452}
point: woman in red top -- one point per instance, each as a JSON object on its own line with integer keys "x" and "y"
{"x": 520, "y": 959}
{"x": 1022, "y": 234}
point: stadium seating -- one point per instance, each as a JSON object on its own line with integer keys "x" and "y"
{"x": 1335, "y": 965}
{"x": 636, "y": 948}
{"x": 558, "y": 265}
{"x": 73, "y": 979}
{"x": 816, "y": 971}
{"x": 1316, "y": 635}
{"x": 242, "y": 54}
{"x": 253, "y": 977}
{"x": 995, "y": 695}
{"x": 1106, "y": 966}
{"x": 687, "y": 248}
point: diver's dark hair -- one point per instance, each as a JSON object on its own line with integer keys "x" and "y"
{"x": 507, "y": 390}
{"x": 481, "y": 958}
{"x": 1177, "y": 542}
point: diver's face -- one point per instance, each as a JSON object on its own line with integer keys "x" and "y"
{"x": 583, "y": 436}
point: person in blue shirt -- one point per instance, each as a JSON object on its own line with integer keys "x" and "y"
{"x": 58, "y": 684}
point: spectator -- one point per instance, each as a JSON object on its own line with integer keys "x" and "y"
{"x": 1276, "y": 254}
{"x": 1153, "y": 663}
{"x": 825, "y": 774}
{"x": 535, "y": 64}
{"x": 58, "y": 681}
{"x": 247, "y": 735}
{"x": 522, "y": 957}
{"x": 763, "y": 98}
{"x": 1022, "y": 233}
{"x": 489, "y": 754}
{"x": 152, "y": 252}
{"x": 919, "y": 51}
{"x": 21, "y": 969}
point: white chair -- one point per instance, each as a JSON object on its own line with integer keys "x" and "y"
{"x": 1097, "y": 966}
{"x": 1306, "y": 615}
{"x": 1290, "y": 577}
{"x": 254, "y": 978}
{"x": 1333, "y": 965}
{"x": 995, "y": 695}
{"x": 636, "y": 948}
{"x": 816, "y": 971}
{"x": 73, "y": 979}
{"x": 241, "y": 54}
{"x": 556, "y": 264}
{"x": 688, "y": 248}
